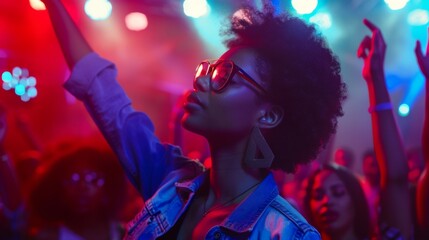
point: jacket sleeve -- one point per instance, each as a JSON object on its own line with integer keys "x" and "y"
{"x": 145, "y": 160}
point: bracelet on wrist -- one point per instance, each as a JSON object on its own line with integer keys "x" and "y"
{"x": 380, "y": 107}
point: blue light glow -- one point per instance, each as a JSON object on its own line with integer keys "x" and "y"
{"x": 404, "y": 110}
{"x": 19, "y": 89}
{"x": 418, "y": 17}
{"x": 6, "y": 77}
{"x": 20, "y": 80}
{"x": 32, "y": 92}
{"x": 323, "y": 20}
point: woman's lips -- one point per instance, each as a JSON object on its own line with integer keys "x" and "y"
{"x": 329, "y": 216}
{"x": 192, "y": 101}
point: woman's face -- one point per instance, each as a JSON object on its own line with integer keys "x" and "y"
{"x": 233, "y": 111}
{"x": 330, "y": 203}
{"x": 84, "y": 190}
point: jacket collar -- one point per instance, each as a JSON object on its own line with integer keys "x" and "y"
{"x": 247, "y": 213}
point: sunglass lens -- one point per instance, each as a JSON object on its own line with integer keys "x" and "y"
{"x": 201, "y": 69}
{"x": 220, "y": 75}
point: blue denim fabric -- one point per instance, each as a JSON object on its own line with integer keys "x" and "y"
{"x": 164, "y": 177}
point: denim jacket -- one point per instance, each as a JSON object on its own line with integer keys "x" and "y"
{"x": 165, "y": 178}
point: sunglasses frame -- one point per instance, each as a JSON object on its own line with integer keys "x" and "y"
{"x": 212, "y": 64}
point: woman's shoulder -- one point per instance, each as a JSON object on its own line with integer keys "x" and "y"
{"x": 282, "y": 216}
{"x": 285, "y": 209}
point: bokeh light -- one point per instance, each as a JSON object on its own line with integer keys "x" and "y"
{"x": 418, "y": 17}
{"x": 37, "y": 5}
{"x": 403, "y": 110}
{"x": 323, "y": 20}
{"x": 136, "y": 21}
{"x": 396, "y": 4}
{"x": 98, "y": 9}
{"x": 304, "y": 6}
{"x": 20, "y": 80}
{"x": 196, "y": 8}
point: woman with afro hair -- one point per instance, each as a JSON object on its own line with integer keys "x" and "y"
{"x": 271, "y": 101}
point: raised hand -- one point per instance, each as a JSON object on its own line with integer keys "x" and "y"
{"x": 422, "y": 197}
{"x": 422, "y": 59}
{"x": 372, "y": 50}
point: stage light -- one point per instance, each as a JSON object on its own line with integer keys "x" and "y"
{"x": 404, "y": 110}
{"x": 196, "y": 8}
{"x": 19, "y": 89}
{"x": 6, "y": 77}
{"x": 136, "y": 21}
{"x": 20, "y": 80}
{"x": 396, "y": 4}
{"x": 37, "y": 5}
{"x": 418, "y": 17}
{"x": 304, "y": 6}
{"x": 323, "y": 20}
{"x": 98, "y": 9}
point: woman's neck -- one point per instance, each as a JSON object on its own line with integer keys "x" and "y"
{"x": 229, "y": 176}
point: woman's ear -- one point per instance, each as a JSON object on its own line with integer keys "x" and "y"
{"x": 272, "y": 116}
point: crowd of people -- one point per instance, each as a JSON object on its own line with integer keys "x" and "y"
{"x": 267, "y": 108}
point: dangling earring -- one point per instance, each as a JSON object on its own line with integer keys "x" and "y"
{"x": 258, "y": 147}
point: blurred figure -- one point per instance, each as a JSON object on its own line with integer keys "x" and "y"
{"x": 415, "y": 168}
{"x": 293, "y": 185}
{"x": 26, "y": 165}
{"x": 423, "y": 183}
{"x": 11, "y": 204}
{"x": 335, "y": 203}
{"x": 415, "y": 164}
{"x": 371, "y": 183}
{"x": 344, "y": 157}
{"x": 78, "y": 195}
{"x": 370, "y": 169}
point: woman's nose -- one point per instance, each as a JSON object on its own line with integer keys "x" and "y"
{"x": 202, "y": 83}
{"x": 327, "y": 199}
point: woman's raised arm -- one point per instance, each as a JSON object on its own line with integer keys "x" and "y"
{"x": 74, "y": 46}
{"x": 423, "y": 184}
{"x": 388, "y": 146}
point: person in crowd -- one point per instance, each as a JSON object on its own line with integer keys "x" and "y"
{"x": 422, "y": 198}
{"x": 370, "y": 182}
{"x": 271, "y": 101}
{"x": 77, "y": 194}
{"x": 293, "y": 186}
{"x": 12, "y": 222}
{"x": 415, "y": 164}
{"x": 26, "y": 165}
{"x": 389, "y": 150}
{"x": 344, "y": 156}
{"x": 336, "y": 204}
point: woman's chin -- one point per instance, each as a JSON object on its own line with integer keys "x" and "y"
{"x": 191, "y": 124}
